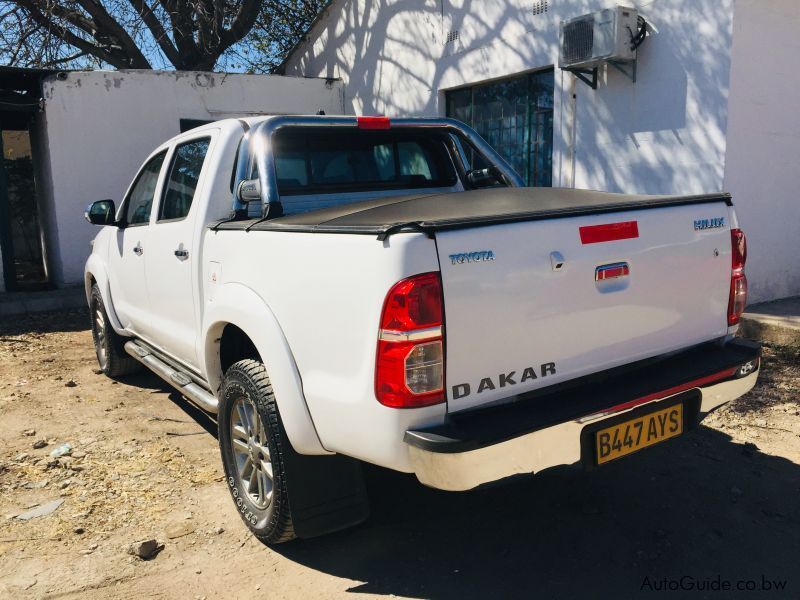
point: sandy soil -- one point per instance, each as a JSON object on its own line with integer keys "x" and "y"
{"x": 719, "y": 504}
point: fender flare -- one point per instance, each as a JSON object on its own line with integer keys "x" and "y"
{"x": 238, "y": 305}
{"x": 96, "y": 269}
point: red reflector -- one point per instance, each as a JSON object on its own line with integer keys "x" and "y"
{"x": 373, "y": 122}
{"x": 609, "y": 232}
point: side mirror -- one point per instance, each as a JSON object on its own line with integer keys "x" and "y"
{"x": 249, "y": 191}
{"x": 101, "y": 212}
{"x": 482, "y": 178}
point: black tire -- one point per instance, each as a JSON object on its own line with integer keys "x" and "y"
{"x": 109, "y": 346}
{"x": 246, "y": 386}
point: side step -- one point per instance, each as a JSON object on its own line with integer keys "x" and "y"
{"x": 178, "y": 379}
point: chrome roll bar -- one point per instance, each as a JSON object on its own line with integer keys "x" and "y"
{"x": 256, "y": 150}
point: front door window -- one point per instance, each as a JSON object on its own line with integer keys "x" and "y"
{"x": 140, "y": 199}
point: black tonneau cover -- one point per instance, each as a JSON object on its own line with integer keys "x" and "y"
{"x": 429, "y": 213}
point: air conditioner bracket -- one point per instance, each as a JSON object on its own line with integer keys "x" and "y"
{"x": 630, "y": 72}
{"x": 587, "y": 76}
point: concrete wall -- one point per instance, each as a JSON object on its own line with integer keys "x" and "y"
{"x": 666, "y": 132}
{"x": 100, "y": 126}
{"x": 762, "y": 169}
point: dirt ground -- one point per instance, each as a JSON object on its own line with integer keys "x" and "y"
{"x": 721, "y": 504}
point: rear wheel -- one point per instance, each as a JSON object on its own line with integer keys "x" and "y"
{"x": 253, "y": 444}
{"x": 108, "y": 344}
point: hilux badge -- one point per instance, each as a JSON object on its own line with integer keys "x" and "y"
{"x": 470, "y": 257}
{"x": 709, "y": 223}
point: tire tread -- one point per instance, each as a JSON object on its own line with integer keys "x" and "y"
{"x": 282, "y": 526}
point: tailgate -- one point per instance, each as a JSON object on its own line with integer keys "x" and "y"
{"x": 531, "y": 304}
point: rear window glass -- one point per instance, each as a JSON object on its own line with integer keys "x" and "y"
{"x": 327, "y": 161}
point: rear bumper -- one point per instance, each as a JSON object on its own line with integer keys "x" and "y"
{"x": 544, "y": 431}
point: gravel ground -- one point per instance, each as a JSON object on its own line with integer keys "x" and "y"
{"x": 717, "y": 505}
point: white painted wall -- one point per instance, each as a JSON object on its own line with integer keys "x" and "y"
{"x": 715, "y": 105}
{"x": 664, "y": 134}
{"x": 101, "y": 125}
{"x": 763, "y": 158}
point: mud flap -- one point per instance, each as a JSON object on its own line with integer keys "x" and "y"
{"x": 327, "y": 493}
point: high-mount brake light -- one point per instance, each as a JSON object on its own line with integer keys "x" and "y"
{"x": 738, "y": 294}
{"x": 409, "y": 370}
{"x": 373, "y": 122}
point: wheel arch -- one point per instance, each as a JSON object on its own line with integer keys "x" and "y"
{"x": 237, "y": 318}
{"x": 95, "y": 273}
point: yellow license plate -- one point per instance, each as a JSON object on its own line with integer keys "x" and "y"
{"x": 627, "y": 437}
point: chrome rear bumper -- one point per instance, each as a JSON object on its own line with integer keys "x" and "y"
{"x": 548, "y": 447}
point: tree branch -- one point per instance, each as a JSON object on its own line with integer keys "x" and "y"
{"x": 243, "y": 22}
{"x": 105, "y": 21}
{"x": 157, "y": 30}
{"x": 67, "y": 36}
{"x": 57, "y": 61}
{"x": 182, "y": 31}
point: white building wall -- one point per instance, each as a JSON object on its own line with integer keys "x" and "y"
{"x": 665, "y": 134}
{"x": 100, "y": 126}
{"x": 762, "y": 169}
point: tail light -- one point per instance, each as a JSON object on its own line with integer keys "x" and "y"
{"x": 738, "y": 296}
{"x": 409, "y": 370}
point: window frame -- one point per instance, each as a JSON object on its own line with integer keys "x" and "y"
{"x": 165, "y": 186}
{"x": 123, "y": 210}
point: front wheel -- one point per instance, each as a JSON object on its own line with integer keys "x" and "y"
{"x": 253, "y": 443}
{"x": 109, "y": 346}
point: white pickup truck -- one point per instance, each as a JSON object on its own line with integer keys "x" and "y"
{"x": 347, "y": 289}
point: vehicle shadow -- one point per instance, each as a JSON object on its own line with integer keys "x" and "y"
{"x": 700, "y": 506}
{"x": 147, "y": 380}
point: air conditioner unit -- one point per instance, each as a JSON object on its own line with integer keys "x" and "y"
{"x": 605, "y": 36}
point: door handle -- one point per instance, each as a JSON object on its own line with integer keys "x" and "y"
{"x": 612, "y": 271}
{"x": 182, "y": 254}
{"x": 138, "y": 250}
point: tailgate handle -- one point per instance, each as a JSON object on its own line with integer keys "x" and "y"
{"x": 612, "y": 271}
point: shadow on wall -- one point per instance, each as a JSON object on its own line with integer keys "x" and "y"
{"x": 663, "y": 134}
{"x": 392, "y": 55}
{"x": 666, "y": 132}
